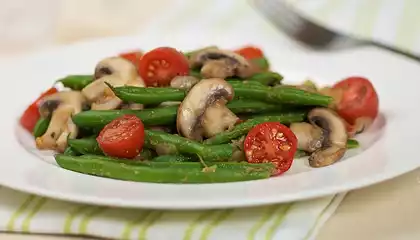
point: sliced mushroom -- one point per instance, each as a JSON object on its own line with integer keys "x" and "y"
{"x": 310, "y": 137}
{"x": 60, "y": 107}
{"x": 334, "y": 137}
{"x": 216, "y": 63}
{"x": 169, "y": 103}
{"x": 217, "y": 118}
{"x": 116, "y": 66}
{"x": 184, "y": 82}
{"x": 194, "y": 122}
{"x": 118, "y": 72}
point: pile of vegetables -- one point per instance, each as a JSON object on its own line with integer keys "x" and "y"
{"x": 205, "y": 116}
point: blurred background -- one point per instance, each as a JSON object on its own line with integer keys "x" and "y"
{"x": 27, "y": 25}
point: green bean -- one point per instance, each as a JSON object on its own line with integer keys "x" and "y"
{"x": 245, "y": 83}
{"x": 70, "y": 152}
{"x": 97, "y": 119}
{"x": 252, "y": 106}
{"x": 76, "y": 82}
{"x": 170, "y": 163}
{"x": 247, "y": 90}
{"x": 91, "y": 146}
{"x": 282, "y": 94}
{"x": 148, "y": 95}
{"x": 85, "y": 146}
{"x": 352, "y": 143}
{"x": 300, "y": 153}
{"x": 243, "y": 128}
{"x": 265, "y": 78}
{"x": 176, "y": 173}
{"x": 187, "y": 146}
{"x": 174, "y": 158}
{"x": 41, "y": 127}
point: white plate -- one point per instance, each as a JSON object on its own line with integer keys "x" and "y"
{"x": 389, "y": 148}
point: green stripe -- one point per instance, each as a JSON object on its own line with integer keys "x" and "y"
{"x": 19, "y": 211}
{"x": 277, "y": 221}
{"x": 148, "y": 223}
{"x": 27, "y": 222}
{"x": 267, "y": 215}
{"x": 213, "y": 224}
{"x": 190, "y": 229}
{"x": 367, "y": 14}
{"x": 130, "y": 225}
{"x": 319, "y": 217}
{"x": 72, "y": 215}
{"x": 94, "y": 211}
{"x": 407, "y": 30}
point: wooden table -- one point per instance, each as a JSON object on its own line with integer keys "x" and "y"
{"x": 384, "y": 211}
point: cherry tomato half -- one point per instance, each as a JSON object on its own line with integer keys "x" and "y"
{"x": 359, "y": 102}
{"x": 250, "y": 52}
{"x": 132, "y": 56}
{"x": 123, "y": 137}
{"x": 271, "y": 142}
{"x": 159, "y": 66}
{"x": 31, "y": 114}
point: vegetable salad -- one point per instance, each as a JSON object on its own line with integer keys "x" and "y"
{"x": 204, "y": 116}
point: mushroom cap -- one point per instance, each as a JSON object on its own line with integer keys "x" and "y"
{"x": 50, "y": 103}
{"x": 203, "y": 94}
{"x": 334, "y": 137}
{"x": 309, "y": 137}
{"x": 116, "y": 71}
{"x": 234, "y": 64}
{"x": 116, "y": 66}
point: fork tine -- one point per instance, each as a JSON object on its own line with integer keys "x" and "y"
{"x": 299, "y": 28}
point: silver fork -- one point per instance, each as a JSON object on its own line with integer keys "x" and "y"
{"x": 309, "y": 33}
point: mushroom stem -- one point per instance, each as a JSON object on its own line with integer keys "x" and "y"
{"x": 217, "y": 118}
{"x": 194, "y": 120}
{"x": 184, "y": 82}
{"x": 61, "y": 126}
{"x": 57, "y": 125}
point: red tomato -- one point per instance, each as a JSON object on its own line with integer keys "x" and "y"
{"x": 250, "y": 52}
{"x": 159, "y": 66}
{"x": 271, "y": 142}
{"x": 132, "y": 56}
{"x": 123, "y": 137}
{"x": 359, "y": 101}
{"x": 31, "y": 114}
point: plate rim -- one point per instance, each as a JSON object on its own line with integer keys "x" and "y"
{"x": 360, "y": 183}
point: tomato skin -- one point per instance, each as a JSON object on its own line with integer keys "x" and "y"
{"x": 250, "y": 52}
{"x": 123, "y": 137}
{"x": 359, "y": 99}
{"x": 271, "y": 142}
{"x": 31, "y": 114}
{"x": 132, "y": 56}
{"x": 159, "y": 66}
